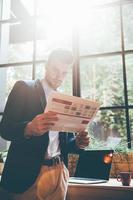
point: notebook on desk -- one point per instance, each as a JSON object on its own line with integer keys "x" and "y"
{"x": 93, "y": 167}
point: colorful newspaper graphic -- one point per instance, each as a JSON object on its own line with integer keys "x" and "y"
{"x": 74, "y": 113}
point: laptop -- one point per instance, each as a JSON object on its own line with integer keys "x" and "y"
{"x": 93, "y": 167}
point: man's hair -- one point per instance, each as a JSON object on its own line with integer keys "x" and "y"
{"x": 62, "y": 55}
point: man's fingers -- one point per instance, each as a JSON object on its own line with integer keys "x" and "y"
{"x": 48, "y": 124}
{"x": 50, "y": 116}
{"x": 83, "y": 136}
{"x": 85, "y": 139}
{"x": 44, "y": 129}
{"x": 50, "y": 121}
{"x": 83, "y": 133}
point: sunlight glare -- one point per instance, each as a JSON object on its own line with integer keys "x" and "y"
{"x": 58, "y": 18}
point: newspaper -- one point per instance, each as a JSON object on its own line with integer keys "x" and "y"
{"x": 74, "y": 113}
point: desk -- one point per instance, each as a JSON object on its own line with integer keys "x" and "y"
{"x": 112, "y": 190}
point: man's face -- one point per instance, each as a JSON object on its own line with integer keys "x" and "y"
{"x": 55, "y": 74}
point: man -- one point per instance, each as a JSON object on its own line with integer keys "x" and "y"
{"x": 34, "y": 169}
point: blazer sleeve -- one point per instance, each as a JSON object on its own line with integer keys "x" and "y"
{"x": 12, "y": 126}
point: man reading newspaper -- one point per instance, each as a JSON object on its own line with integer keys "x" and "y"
{"x": 35, "y": 167}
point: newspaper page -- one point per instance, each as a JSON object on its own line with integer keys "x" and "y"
{"x": 74, "y": 113}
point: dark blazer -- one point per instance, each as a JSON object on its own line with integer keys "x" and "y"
{"x": 25, "y": 156}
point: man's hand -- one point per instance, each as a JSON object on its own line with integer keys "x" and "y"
{"x": 82, "y": 139}
{"x": 40, "y": 124}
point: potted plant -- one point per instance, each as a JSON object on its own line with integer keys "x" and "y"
{"x": 122, "y": 156}
{"x": 122, "y": 159}
{"x": 72, "y": 163}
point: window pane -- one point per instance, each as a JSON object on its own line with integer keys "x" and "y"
{"x": 5, "y": 9}
{"x": 0, "y": 9}
{"x": 16, "y": 38}
{"x": 128, "y": 25}
{"x": 107, "y": 126}
{"x": 8, "y": 77}
{"x": 25, "y": 8}
{"x": 51, "y": 34}
{"x": 66, "y": 87}
{"x": 129, "y": 68}
{"x": 99, "y": 31}
{"x": 102, "y": 79}
{"x": 16, "y": 9}
{"x": 40, "y": 71}
{"x": 16, "y": 44}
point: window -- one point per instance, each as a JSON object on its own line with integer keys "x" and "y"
{"x": 128, "y": 26}
{"x": 102, "y": 79}
{"x": 106, "y": 69}
{"x": 100, "y": 33}
{"x": 129, "y": 71}
{"x": 8, "y": 77}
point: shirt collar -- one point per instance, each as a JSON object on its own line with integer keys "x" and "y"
{"x": 47, "y": 89}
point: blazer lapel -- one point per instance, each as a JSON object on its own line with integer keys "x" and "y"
{"x": 41, "y": 93}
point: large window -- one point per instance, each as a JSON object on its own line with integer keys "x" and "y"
{"x": 105, "y": 41}
{"x": 100, "y": 34}
{"x": 99, "y": 31}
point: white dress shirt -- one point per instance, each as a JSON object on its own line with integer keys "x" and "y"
{"x": 53, "y": 146}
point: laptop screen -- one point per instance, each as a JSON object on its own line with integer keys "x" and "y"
{"x": 94, "y": 164}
